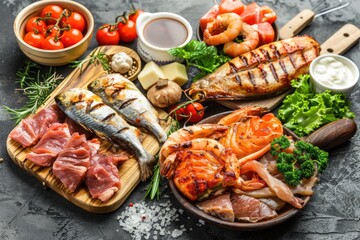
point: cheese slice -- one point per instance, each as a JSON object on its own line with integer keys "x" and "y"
{"x": 175, "y": 72}
{"x": 150, "y": 75}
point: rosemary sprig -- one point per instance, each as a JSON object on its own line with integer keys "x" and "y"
{"x": 96, "y": 57}
{"x": 36, "y": 88}
{"x": 153, "y": 190}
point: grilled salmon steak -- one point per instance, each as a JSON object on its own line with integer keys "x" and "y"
{"x": 264, "y": 71}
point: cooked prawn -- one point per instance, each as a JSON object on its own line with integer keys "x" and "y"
{"x": 212, "y": 131}
{"x": 242, "y": 113}
{"x": 251, "y": 41}
{"x": 224, "y": 28}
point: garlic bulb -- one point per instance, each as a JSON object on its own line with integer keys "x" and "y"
{"x": 121, "y": 62}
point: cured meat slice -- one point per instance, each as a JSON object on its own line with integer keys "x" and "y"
{"x": 249, "y": 209}
{"x": 49, "y": 146}
{"x": 102, "y": 177}
{"x": 30, "y": 130}
{"x": 219, "y": 207}
{"x": 72, "y": 162}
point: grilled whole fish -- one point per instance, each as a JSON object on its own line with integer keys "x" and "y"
{"x": 264, "y": 71}
{"x": 124, "y": 97}
{"x": 88, "y": 110}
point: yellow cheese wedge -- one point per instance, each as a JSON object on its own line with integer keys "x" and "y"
{"x": 175, "y": 72}
{"x": 150, "y": 75}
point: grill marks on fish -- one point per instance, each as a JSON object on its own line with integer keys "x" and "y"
{"x": 263, "y": 71}
{"x": 123, "y": 96}
{"x": 88, "y": 110}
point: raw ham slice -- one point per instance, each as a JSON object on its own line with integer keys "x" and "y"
{"x": 73, "y": 161}
{"x": 30, "y": 130}
{"x": 249, "y": 209}
{"x": 49, "y": 146}
{"x": 219, "y": 206}
{"x": 102, "y": 178}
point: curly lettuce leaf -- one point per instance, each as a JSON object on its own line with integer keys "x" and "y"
{"x": 304, "y": 111}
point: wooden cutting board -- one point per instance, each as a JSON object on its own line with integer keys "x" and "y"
{"x": 338, "y": 43}
{"x": 129, "y": 171}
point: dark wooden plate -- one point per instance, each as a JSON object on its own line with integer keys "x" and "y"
{"x": 327, "y": 137}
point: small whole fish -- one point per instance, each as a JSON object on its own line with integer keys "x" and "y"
{"x": 88, "y": 110}
{"x": 123, "y": 96}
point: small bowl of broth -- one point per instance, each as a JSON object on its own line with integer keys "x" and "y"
{"x": 159, "y": 32}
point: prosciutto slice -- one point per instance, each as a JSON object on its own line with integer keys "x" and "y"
{"x": 73, "y": 161}
{"x": 102, "y": 178}
{"x": 30, "y": 130}
{"x": 52, "y": 142}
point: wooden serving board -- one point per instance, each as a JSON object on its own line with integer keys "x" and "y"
{"x": 338, "y": 43}
{"x": 129, "y": 171}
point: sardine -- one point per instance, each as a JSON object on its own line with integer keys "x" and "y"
{"x": 124, "y": 97}
{"x": 88, "y": 110}
{"x": 264, "y": 71}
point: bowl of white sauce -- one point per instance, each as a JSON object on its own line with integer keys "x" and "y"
{"x": 333, "y": 72}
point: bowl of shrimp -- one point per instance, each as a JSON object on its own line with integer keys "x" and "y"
{"x": 240, "y": 30}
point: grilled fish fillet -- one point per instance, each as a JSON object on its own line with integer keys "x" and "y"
{"x": 264, "y": 71}
{"x": 124, "y": 97}
{"x": 88, "y": 110}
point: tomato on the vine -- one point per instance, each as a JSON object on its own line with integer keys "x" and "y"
{"x": 107, "y": 35}
{"x": 51, "y": 11}
{"x": 52, "y": 43}
{"x": 34, "y": 39}
{"x": 71, "y": 37}
{"x": 135, "y": 14}
{"x": 195, "y": 111}
{"x": 35, "y": 24}
{"x": 178, "y": 114}
{"x": 52, "y": 31}
{"x": 75, "y": 20}
{"x": 127, "y": 31}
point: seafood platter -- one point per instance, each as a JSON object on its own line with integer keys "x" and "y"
{"x": 100, "y": 132}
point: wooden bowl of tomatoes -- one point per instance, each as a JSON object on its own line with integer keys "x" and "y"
{"x": 54, "y": 33}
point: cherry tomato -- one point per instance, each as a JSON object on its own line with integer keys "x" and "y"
{"x": 251, "y": 14}
{"x": 52, "y": 31}
{"x": 71, "y": 37}
{"x": 179, "y": 114}
{"x": 107, "y": 35}
{"x": 134, "y": 15}
{"x": 127, "y": 31}
{"x": 52, "y": 43}
{"x": 51, "y": 11}
{"x": 35, "y": 24}
{"x": 209, "y": 17}
{"x": 235, "y": 6}
{"x": 267, "y": 15}
{"x": 75, "y": 20}
{"x": 195, "y": 111}
{"x": 266, "y": 32}
{"x": 34, "y": 39}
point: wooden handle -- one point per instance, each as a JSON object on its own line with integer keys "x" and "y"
{"x": 342, "y": 40}
{"x": 296, "y": 24}
{"x": 333, "y": 134}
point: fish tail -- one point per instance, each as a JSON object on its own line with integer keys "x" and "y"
{"x": 146, "y": 166}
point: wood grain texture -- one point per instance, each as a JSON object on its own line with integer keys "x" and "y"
{"x": 129, "y": 171}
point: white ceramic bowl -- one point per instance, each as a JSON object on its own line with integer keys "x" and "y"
{"x": 53, "y": 57}
{"x": 321, "y": 84}
{"x": 149, "y": 52}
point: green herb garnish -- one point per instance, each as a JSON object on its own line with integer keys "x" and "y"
{"x": 304, "y": 111}
{"x": 299, "y": 164}
{"x": 35, "y": 86}
{"x": 97, "y": 57}
{"x": 198, "y": 54}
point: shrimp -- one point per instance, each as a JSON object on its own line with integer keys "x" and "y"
{"x": 251, "y": 41}
{"x": 224, "y": 28}
{"x": 212, "y": 131}
{"x": 241, "y": 114}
